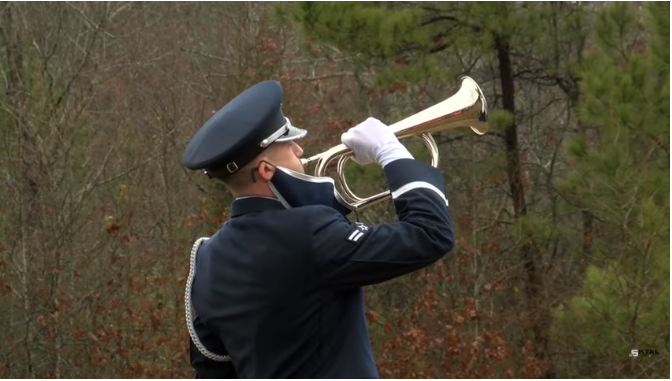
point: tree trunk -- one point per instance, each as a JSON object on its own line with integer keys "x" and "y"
{"x": 538, "y": 315}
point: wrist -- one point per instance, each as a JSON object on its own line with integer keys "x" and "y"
{"x": 392, "y": 152}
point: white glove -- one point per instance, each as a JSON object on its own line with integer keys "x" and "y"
{"x": 372, "y": 141}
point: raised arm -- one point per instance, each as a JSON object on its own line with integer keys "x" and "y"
{"x": 354, "y": 255}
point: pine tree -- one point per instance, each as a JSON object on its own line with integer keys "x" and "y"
{"x": 621, "y": 175}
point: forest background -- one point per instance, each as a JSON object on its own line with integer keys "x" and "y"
{"x": 562, "y": 210}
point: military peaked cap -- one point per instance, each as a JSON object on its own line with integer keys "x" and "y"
{"x": 241, "y": 130}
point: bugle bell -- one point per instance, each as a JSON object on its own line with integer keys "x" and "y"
{"x": 467, "y": 108}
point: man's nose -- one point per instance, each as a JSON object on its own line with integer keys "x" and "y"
{"x": 298, "y": 151}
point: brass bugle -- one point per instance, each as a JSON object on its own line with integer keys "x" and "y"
{"x": 467, "y": 108}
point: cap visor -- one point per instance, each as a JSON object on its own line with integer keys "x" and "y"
{"x": 294, "y": 133}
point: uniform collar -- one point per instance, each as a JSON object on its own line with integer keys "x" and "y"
{"x": 244, "y": 205}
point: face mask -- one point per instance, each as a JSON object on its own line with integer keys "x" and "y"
{"x": 296, "y": 189}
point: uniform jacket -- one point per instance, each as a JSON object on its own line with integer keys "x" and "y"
{"x": 280, "y": 290}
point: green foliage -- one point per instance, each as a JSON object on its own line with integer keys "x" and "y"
{"x": 623, "y": 102}
{"x": 622, "y": 177}
{"x": 615, "y": 312}
{"x": 617, "y": 309}
{"x": 405, "y": 41}
{"x": 500, "y": 120}
{"x": 376, "y": 29}
{"x": 380, "y": 33}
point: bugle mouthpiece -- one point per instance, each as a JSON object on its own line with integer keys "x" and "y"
{"x": 309, "y": 160}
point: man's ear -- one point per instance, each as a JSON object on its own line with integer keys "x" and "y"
{"x": 265, "y": 170}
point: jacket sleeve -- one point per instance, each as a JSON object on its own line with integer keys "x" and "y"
{"x": 354, "y": 255}
{"x": 203, "y": 366}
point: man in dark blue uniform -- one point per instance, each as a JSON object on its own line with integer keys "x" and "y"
{"x": 277, "y": 291}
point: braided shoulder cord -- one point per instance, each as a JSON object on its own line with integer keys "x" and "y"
{"x": 188, "y": 308}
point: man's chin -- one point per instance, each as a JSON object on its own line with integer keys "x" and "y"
{"x": 300, "y": 169}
